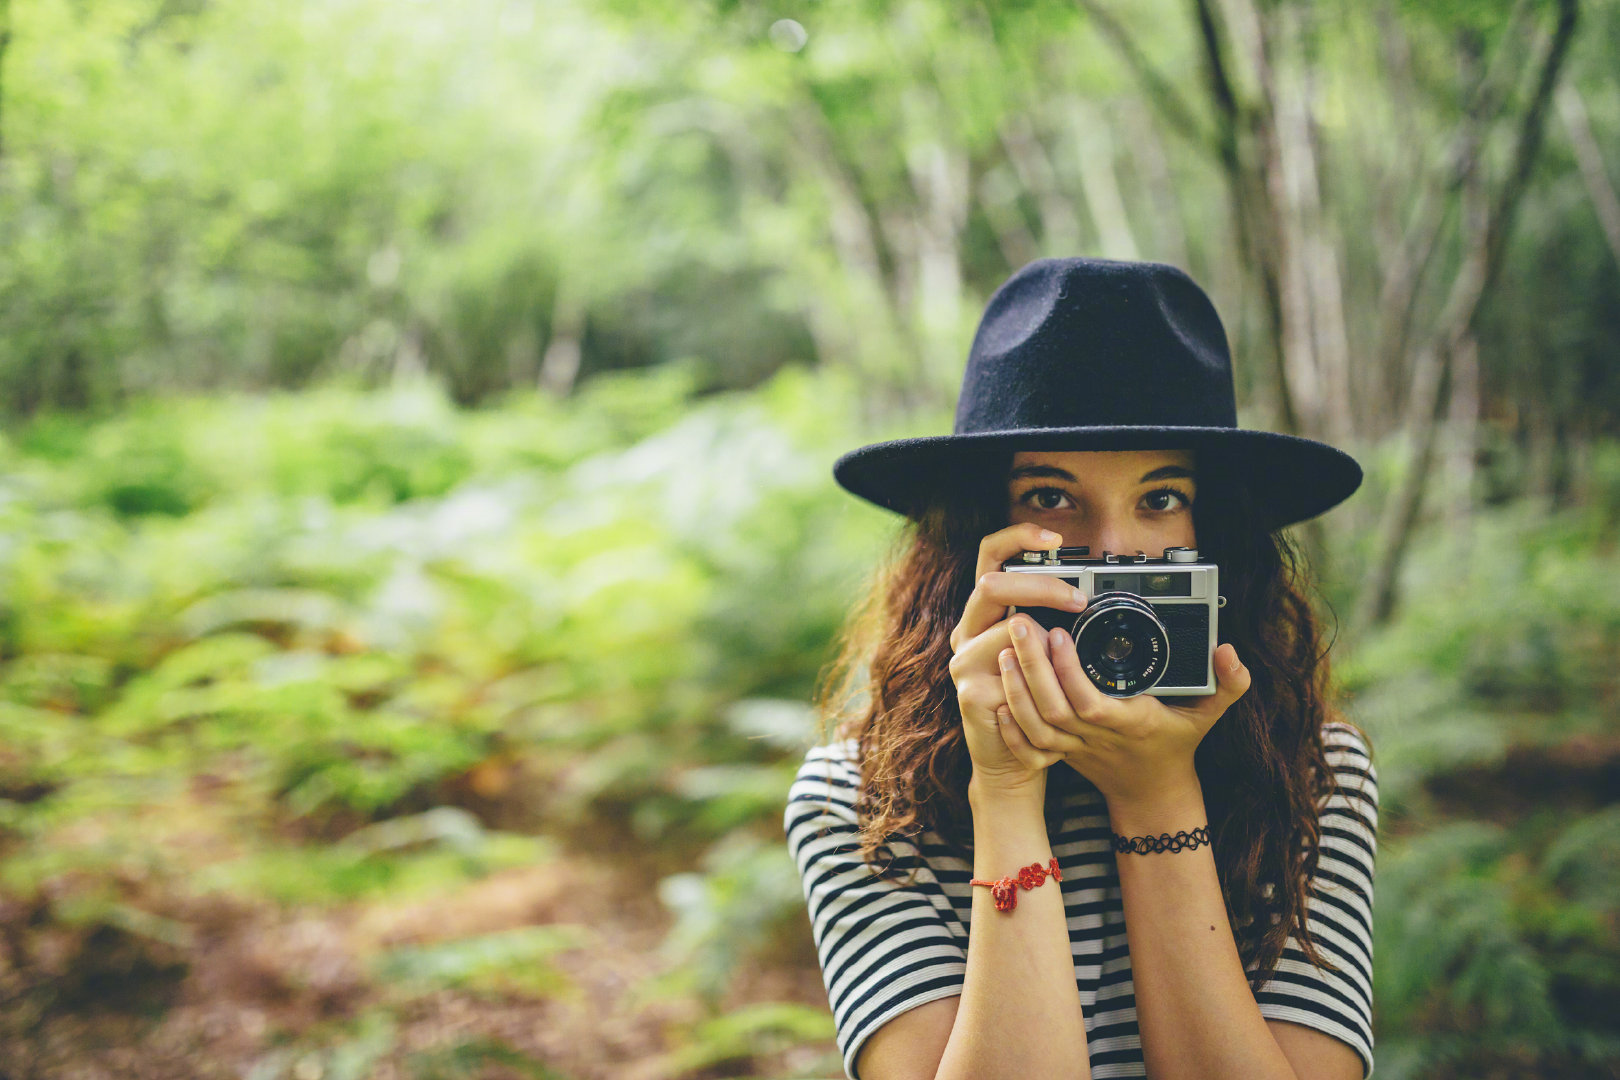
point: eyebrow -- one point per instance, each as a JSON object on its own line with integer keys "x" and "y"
{"x": 1163, "y": 472}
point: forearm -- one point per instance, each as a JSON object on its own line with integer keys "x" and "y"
{"x": 1197, "y": 1016}
{"x": 1019, "y": 1014}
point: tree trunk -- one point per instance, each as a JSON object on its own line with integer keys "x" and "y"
{"x": 1377, "y": 600}
{"x": 997, "y": 194}
{"x": 559, "y": 365}
{"x": 5, "y": 43}
{"x": 1572, "y": 110}
{"x": 1148, "y": 161}
{"x": 1096, "y": 164}
{"x": 1462, "y": 425}
{"x": 1060, "y": 226}
{"x": 939, "y": 176}
{"x": 864, "y": 332}
{"x": 1244, "y": 143}
{"x": 1485, "y": 230}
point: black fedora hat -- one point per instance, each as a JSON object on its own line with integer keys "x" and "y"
{"x": 1099, "y": 354}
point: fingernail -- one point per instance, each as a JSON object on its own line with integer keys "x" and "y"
{"x": 1007, "y": 659}
{"x": 1018, "y": 630}
{"x": 1080, "y": 597}
{"x": 1049, "y": 536}
{"x": 1003, "y": 714}
{"x": 1055, "y": 638}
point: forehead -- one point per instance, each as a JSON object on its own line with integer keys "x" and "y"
{"x": 1128, "y": 465}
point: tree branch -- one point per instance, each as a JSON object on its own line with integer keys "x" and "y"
{"x": 1405, "y": 273}
{"x": 1175, "y": 111}
{"x": 1528, "y": 145}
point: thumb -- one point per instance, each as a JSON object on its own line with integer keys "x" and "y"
{"x": 1232, "y": 679}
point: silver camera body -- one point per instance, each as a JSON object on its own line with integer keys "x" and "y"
{"x": 1149, "y": 626}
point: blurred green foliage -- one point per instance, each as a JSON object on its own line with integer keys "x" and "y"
{"x": 344, "y": 625}
{"x": 342, "y": 613}
{"x": 349, "y": 642}
{"x": 630, "y": 622}
{"x": 280, "y": 194}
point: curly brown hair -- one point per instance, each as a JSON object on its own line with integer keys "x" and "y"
{"x": 1263, "y": 766}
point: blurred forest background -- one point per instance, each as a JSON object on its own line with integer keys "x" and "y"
{"x": 417, "y": 539}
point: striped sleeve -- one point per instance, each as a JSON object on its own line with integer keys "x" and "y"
{"x": 885, "y": 947}
{"x": 1340, "y": 910}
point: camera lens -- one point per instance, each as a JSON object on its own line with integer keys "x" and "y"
{"x": 1122, "y": 645}
{"x": 1118, "y": 648}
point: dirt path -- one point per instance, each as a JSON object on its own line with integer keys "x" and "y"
{"x": 267, "y": 994}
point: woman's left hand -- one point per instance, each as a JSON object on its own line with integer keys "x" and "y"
{"x": 1138, "y": 750}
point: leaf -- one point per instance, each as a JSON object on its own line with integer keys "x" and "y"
{"x": 510, "y": 961}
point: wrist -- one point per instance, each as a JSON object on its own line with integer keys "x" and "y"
{"x": 1168, "y": 811}
{"x": 1009, "y": 828}
{"x": 998, "y": 794}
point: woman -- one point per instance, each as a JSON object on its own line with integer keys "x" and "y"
{"x": 1010, "y": 873}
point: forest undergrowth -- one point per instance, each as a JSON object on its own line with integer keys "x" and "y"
{"x": 354, "y": 734}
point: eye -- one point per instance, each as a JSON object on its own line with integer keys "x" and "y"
{"x": 1040, "y": 498}
{"x": 1160, "y": 501}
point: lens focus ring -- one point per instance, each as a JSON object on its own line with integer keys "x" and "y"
{"x": 1122, "y": 645}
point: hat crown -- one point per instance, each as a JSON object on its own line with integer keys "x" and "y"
{"x": 1097, "y": 355}
{"x": 1080, "y": 342}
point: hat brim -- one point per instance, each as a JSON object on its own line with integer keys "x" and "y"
{"x": 1293, "y": 478}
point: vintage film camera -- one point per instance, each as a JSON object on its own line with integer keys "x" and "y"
{"x": 1150, "y": 626}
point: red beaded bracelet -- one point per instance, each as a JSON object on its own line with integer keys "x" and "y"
{"x": 1004, "y": 891}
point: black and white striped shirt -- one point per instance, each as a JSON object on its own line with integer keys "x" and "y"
{"x": 887, "y": 947}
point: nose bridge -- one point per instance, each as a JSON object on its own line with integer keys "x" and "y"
{"x": 1112, "y": 532}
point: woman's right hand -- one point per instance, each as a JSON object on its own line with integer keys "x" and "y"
{"x": 1002, "y": 763}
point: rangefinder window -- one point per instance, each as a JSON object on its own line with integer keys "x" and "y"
{"x": 1147, "y": 584}
{"x": 1166, "y": 585}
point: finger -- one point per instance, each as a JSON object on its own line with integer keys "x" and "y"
{"x": 1035, "y": 657}
{"x": 1028, "y": 754}
{"x": 979, "y": 656}
{"x": 1094, "y": 710}
{"x": 1026, "y": 714}
{"x": 1004, "y": 544}
{"x": 1001, "y": 589}
{"x": 977, "y": 701}
{"x": 979, "y": 613}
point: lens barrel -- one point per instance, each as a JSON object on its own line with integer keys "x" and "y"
{"x": 1123, "y": 647}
